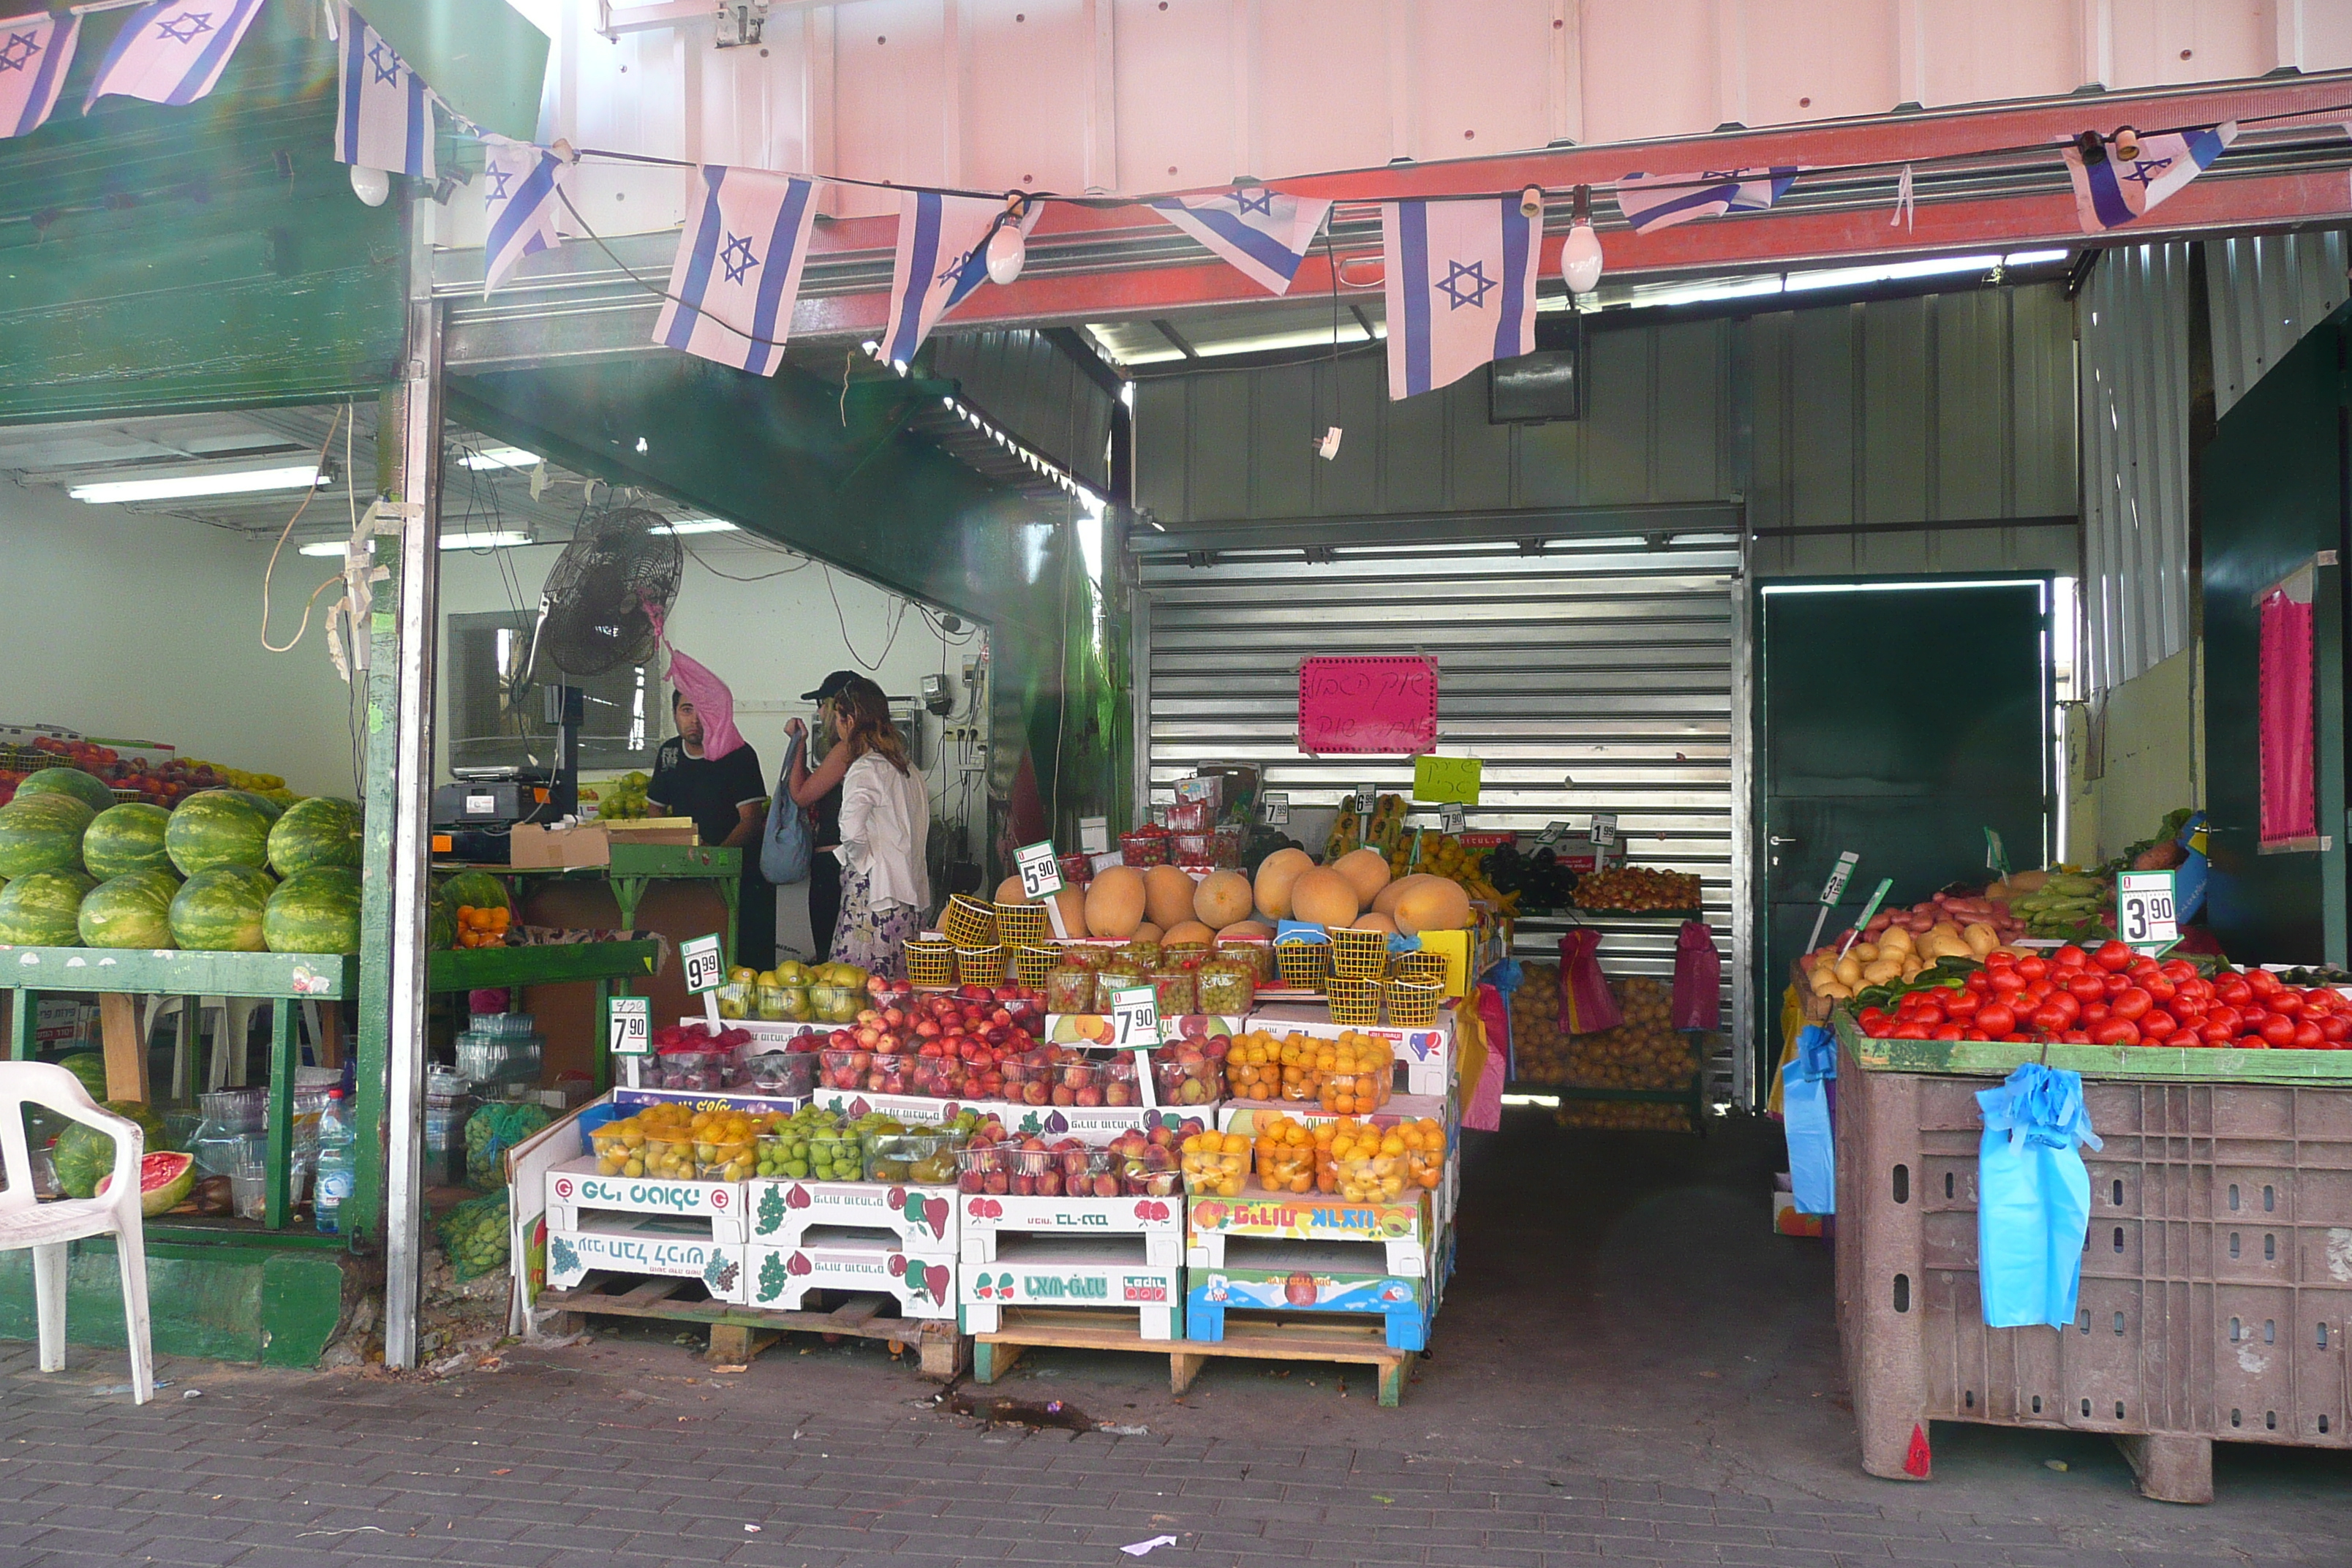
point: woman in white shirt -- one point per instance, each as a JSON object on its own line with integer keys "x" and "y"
{"x": 886, "y": 820}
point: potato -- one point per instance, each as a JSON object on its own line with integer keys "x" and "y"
{"x": 1865, "y": 950}
{"x": 1897, "y": 936}
{"x": 1880, "y": 972}
{"x": 1980, "y": 938}
{"x": 1849, "y": 969}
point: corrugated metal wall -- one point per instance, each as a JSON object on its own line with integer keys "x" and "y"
{"x": 2266, "y": 291}
{"x": 1027, "y": 384}
{"x": 1597, "y": 678}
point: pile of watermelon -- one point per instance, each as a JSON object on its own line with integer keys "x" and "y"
{"x": 79, "y": 870}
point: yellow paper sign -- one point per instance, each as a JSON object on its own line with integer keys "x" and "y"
{"x": 1443, "y": 779}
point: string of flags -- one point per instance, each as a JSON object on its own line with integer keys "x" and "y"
{"x": 1460, "y": 272}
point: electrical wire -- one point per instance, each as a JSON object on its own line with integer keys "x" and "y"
{"x": 270, "y": 570}
{"x": 843, "y": 620}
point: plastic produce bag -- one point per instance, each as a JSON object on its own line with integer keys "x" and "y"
{"x": 1586, "y": 1006}
{"x": 713, "y": 703}
{"x": 1805, "y": 1081}
{"x": 1698, "y": 979}
{"x": 474, "y": 1234}
{"x": 490, "y": 1132}
{"x": 787, "y": 845}
{"x": 2033, "y": 1197}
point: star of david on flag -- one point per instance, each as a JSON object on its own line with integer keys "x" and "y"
{"x": 2116, "y": 190}
{"x": 384, "y": 117}
{"x": 940, "y": 262}
{"x": 739, "y": 269}
{"x": 172, "y": 51}
{"x": 522, "y": 198}
{"x": 1262, "y": 234}
{"x": 1660, "y": 201}
{"x": 34, "y": 54}
{"x": 1460, "y": 288}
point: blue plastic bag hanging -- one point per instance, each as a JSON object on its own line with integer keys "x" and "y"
{"x": 2033, "y": 1197}
{"x": 1805, "y": 1111}
{"x": 787, "y": 845}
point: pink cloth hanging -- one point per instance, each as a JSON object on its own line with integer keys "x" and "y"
{"x": 2290, "y": 809}
{"x": 1698, "y": 979}
{"x": 1587, "y": 1006}
{"x": 712, "y": 702}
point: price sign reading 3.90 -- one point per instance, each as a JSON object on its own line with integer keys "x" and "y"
{"x": 2146, "y": 913}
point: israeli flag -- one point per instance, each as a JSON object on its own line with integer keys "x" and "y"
{"x": 172, "y": 51}
{"x": 1461, "y": 287}
{"x": 521, "y": 196}
{"x": 941, "y": 259}
{"x": 738, "y": 271}
{"x": 1262, "y": 232}
{"x": 2112, "y": 191}
{"x": 384, "y": 117}
{"x": 34, "y": 54}
{"x": 1661, "y": 201}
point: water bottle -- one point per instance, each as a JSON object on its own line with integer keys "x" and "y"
{"x": 333, "y": 1183}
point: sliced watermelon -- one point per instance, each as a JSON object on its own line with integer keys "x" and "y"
{"x": 165, "y": 1180}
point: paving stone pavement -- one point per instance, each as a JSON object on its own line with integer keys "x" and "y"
{"x": 1642, "y": 1377}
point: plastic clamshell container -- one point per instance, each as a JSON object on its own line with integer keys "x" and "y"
{"x": 923, "y": 1159}
{"x": 790, "y": 1075}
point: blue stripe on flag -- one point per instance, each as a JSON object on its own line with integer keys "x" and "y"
{"x": 1515, "y": 272}
{"x": 354, "y": 82}
{"x": 123, "y": 39}
{"x": 781, "y": 242}
{"x": 420, "y": 124}
{"x": 522, "y": 205}
{"x": 706, "y": 252}
{"x": 45, "y": 80}
{"x": 1696, "y": 196}
{"x": 970, "y": 275}
{"x": 922, "y": 257}
{"x": 2204, "y": 146}
{"x": 1413, "y": 245}
{"x": 198, "y": 80}
{"x": 1258, "y": 245}
{"x": 2106, "y": 196}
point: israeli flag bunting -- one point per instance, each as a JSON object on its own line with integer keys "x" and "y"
{"x": 172, "y": 51}
{"x": 2114, "y": 191}
{"x": 940, "y": 262}
{"x": 1461, "y": 287}
{"x": 384, "y": 116}
{"x": 1264, "y": 233}
{"x": 521, "y": 197}
{"x": 35, "y": 51}
{"x": 739, "y": 269}
{"x": 1660, "y": 201}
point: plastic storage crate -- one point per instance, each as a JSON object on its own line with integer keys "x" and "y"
{"x": 2216, "y": 1274}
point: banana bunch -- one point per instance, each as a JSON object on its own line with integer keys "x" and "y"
{"x": 2063, "y": 905}
{"x": 237, "y": 778}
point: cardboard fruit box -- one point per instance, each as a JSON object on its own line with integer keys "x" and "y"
{"x": 662, "y": 1244}
{"x": 1284, "y": 1275}
{"x": 831, "y": 1257}
{"x": 988, "y": 1217}
{"x": 575, "y": 1188}
{"x": 1074, "y": 1271}
{"x": 1401, "y": 1230}
{"x": 923, "y": 1218}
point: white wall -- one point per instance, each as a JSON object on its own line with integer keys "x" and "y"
{"x": 118, "y": 624}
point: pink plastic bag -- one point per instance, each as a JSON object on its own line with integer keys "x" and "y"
{"x": 1698, "y": 979}
{"x": 712, "y": 699}
{"x": 1586, "y": 1006}
{"x": 1482, "y": 1102}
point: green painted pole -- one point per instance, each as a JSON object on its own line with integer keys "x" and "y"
{"x": 281, "y": 1110}
{"x": 23, "y": 1006}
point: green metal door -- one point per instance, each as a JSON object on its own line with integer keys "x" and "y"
{"x": 1899, "y": 720}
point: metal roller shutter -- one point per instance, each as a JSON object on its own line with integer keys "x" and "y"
{"x": 1593, "y": 676}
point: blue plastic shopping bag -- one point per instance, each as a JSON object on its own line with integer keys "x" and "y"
{"x": 1805, "y": 1112}
{"x": 789, "y": 843}
{"x": 2033, "y": 1197}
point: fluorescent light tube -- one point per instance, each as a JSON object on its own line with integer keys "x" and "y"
{"x": 482, "y": 541}
{"x": 244, "y": 481}
{"x": 696, "y": 525}
{"x": 325, "y": 547}
{"x": 499, "y": 457}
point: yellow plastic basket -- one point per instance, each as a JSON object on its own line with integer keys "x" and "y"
{"x": 1418, "y": 964}
{"x": 1359, "y": 954}
{"x": 1354, "y": 1002}
{"x": 1302, "y": 964}
{"x": 1032, "y": 965}
{"x": 1413, "y": 1002}
{"x": 930, "y": 962}
{"x": 970, "y": 923}
{"x": 1021, "y": 925}
{"x": 981, "y": 966}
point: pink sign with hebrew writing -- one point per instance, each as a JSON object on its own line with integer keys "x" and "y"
{"x": 1372, "y": 705}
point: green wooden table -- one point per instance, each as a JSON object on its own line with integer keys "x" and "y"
{"x": 598, "y": 964}
{"x": 1977, "y": 1058}
{"x": 634, "y": 865}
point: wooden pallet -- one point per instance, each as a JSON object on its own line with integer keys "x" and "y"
{"x": 1304, "y": 1338}
{"x": 739, "y": 1333}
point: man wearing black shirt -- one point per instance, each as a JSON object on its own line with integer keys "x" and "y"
{"x": 727, "y": 799}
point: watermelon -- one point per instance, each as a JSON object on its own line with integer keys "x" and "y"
{"x": 219, "y": 911}
{"x": 126, "y": 838}
{"x": 218, "y": 828}
{"x": 88, "y": 1067}
{"x": 316, "y": 910}
{"x": 42, "y": 833}
{"x": 165, "y": 1180}
{"x": 131, "y": 911}
{"x": 88, "y": 788}
{"x": 260, "y": 801}
{"x": 41, "y": 909}
{"x": 474, "y": 890}
{"x": 319, "y": 831}
{"x": 440, "y": 928}
{"x": 84, "y": 1156}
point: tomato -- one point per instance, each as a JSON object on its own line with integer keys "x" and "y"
{"x": 2131, "y": 1002}
{"x": 1978, "y": 983}
{"x": 2157, "y": 1025}
{"x": 1931, "y": 1014}
{"x": 2234, "y": 991}
{"x": 1870, "y": 1018}
{"x": 1948, "y": 1032}
{"x": 1995, "y": 1019}
{"x": 2069, "y": 957}
{"x": 1963, "y": 1002}
{"x": 2217, "y": 1033}
{"x": 2115, "y": 1032}
{"x": 2050, "y": 1018}
{"x": 2278, "y": 1029}
{"x": 2033, "y": 966}
{"x": 1908, "y": 1032}
{"x": 2160, "y": 990}
{"x": 2307, "y": 1036}
{"x": 2288, "y": 1001}
{"x": 2195, "y": 985}
{"x": 2076, "y": 1037}
{"x": 2006, "y": 982}
{"x": 2116, "y": 985}
{"x": 2095, "y": 1015}
{"x": 2263, "y": 982}
{"x": 2087, "y": 987}
{"x": 2114, "y": 956}
{"x": 2066, "y": 1000}
{"x": 2333, "y": 1028}
{"x": 2179, "y": 971}
{"x": 2226, "y": 1018}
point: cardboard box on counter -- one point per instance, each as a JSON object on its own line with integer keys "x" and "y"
{"x": 529, "y": 846}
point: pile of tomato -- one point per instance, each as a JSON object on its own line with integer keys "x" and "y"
{"x": 2114, "y": 996}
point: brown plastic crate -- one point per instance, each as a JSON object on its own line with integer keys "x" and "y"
{"x": 2216, "y": 1274}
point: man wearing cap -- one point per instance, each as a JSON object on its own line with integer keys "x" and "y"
{"x": 819, "y": 791}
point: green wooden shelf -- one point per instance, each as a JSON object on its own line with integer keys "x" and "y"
{"x": 1973, "y": 1059}
{"x": 476, "y": 968}
{"x": 311, "y": 977}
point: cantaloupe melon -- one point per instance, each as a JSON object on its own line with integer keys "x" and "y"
{"x": 1167, "y": 895}
{"x": 1438, "y": 904}
{"x": 1366, "y": 871}
{"x": 1375, "y": 922}
{"x": 1386, "y": 902}
{"x": 1324, "y": 897}
{"x": 1009, "y": 891}
{"x": 1147, "y": 932}
{"x": 1247, "y": 931}
{"x": 1115, "y": 902}
{"x": 1185, "y": 932}
{"x": 1275, "y": 874}
{"x": 1072, "y": 902}
{"x": 1222, "y": 897}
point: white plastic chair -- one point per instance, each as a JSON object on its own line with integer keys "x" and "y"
{"x": 46, "y": 1227}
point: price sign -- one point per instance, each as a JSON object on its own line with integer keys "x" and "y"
{"x": 1869, "y": 910}
{"x": 1367, "y": 798}
{"x": 1441, "y": 779}
{"x": 1274, "y": 809}
{"x": 1833, "y": 889}
{"x": 1094, "y": 836}
{"x": 1550, "y": 837}
{"x": 1604, "y": 827}
{"x": 1041, "y": 869}
{"x": 705, "y": 971}
{"x": 1135, "y": 1017}
{"x": 632, "y": 1026}
{"x": 1996, "y": 855}
{"x": 2147, "y": 914}
{"x": 1451, "y": 819}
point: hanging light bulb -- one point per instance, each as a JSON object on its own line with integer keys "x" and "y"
{"x": 1007, "y": 249}
{"x": 370, "y": 185}
{"x": 2126, "y": 145}
{"x": 1579, "y": 254}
